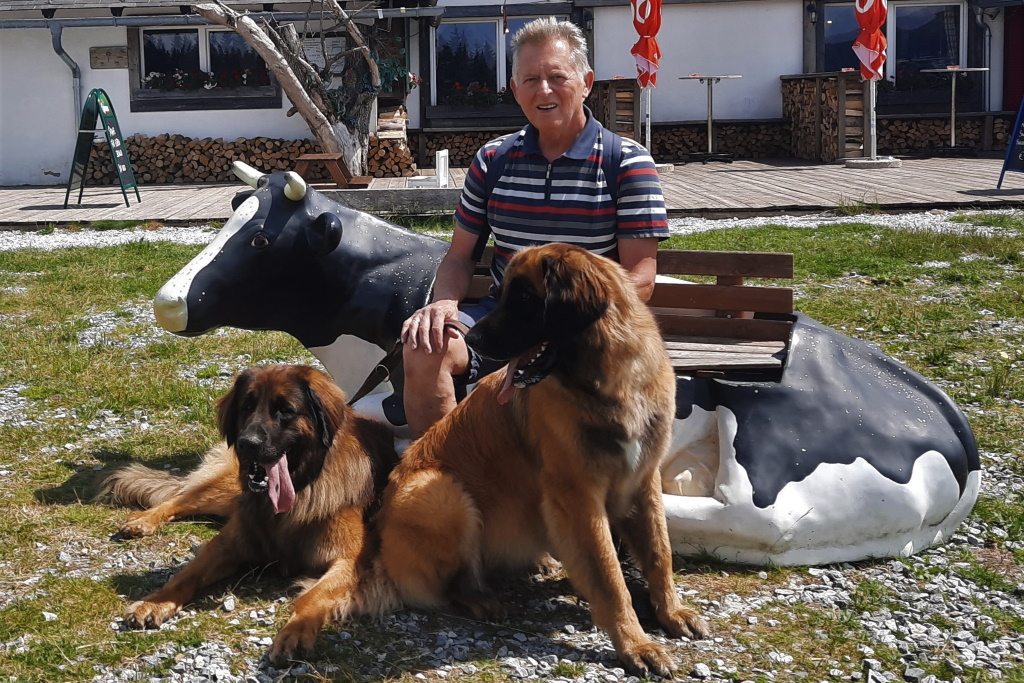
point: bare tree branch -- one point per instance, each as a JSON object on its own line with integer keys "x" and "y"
{"x": 357, "y": 38}
{"x": 315, "y": 118}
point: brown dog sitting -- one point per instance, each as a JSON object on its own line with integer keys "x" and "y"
{"x": 551, "y": 455}
{"x": 310, "y": 473}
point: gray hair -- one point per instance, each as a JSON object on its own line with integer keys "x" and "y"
{"x": 549, "y": 29}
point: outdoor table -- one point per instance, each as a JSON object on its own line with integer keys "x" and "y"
{"x": 953, "y": 150}
{"x": 710, "y": 155}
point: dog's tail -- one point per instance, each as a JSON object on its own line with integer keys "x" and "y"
{"x": 138, "y": 486}
{"x": 143, "y": 487}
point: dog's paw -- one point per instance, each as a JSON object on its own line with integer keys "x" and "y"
{"x": 685, "y": 622}
{"x": 297, "y": 638}
{"x": 647, "y": 658}
{"x": 144, "y": 614}
{"x": 138, "y": 524}
{"x": 548, "y": 567}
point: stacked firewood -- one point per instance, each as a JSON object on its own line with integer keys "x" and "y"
{"x": 798, "y": 106}
{"x": 461, "y": 146}
{"x": 747, "y": 141}
{"x": 179, "y": 159}
{"x": 390, "y": 156}
{"x": 902, "y": 136}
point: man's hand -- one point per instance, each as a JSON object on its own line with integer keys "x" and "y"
{"x": 426, "y": 330}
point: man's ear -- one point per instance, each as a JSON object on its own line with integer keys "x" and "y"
{"x": 573, "y": 299}
{"x": 588, "y": 81}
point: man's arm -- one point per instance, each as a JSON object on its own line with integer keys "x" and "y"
{"x": 425, "y": 328}
{"x": 639, "y": 255}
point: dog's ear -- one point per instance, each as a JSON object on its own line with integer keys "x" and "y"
{"x": 228, "y": 408}
{"x": 573, "y": 297}
{"x": 323, "y": 418}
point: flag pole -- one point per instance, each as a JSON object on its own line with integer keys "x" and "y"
{"x": 647, "y": 118}
{"x": 872, "y": 130}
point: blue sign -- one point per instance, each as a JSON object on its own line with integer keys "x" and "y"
{"x": 1015, "y": 152}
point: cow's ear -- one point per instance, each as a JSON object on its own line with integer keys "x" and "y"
{"x": 325, "y": 234}
{"x": 237, "y": 200}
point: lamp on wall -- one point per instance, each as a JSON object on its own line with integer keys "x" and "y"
{"x": 812, "y": 12}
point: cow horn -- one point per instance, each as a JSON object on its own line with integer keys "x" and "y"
{"x": 246, "y": 173}
{"x": 295, "y": 186}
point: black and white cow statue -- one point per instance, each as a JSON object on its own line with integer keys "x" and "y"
{"x": 850, "y": 456}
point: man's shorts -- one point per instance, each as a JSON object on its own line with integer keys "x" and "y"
{"x": 479, "y": 367}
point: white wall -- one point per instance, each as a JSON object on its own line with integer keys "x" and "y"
{"x": 759, "y": 40}
{"x": 37, "y": 124}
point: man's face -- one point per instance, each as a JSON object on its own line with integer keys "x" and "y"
{"x": 547, "y": 87}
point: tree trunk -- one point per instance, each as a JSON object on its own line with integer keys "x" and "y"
{"x": 346, "y": 133}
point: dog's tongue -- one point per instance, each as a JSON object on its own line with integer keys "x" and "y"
{"x": 279, "y": 485}
{"x": 507, "y": 389}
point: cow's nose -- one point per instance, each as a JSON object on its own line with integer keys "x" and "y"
{"x": 171, "y": 310}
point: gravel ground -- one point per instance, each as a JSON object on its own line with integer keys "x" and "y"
{"x": 933, "y": 614}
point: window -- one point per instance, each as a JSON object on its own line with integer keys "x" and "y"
{"x": 471, "y": 58}
{"x": 921, "y": 36}
{"x": 197, "y": 68}
{"x": 841, "y": 29}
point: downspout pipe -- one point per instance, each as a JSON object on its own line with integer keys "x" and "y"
{"x": 979, "y": 14}
{"x": 56, "y": 32}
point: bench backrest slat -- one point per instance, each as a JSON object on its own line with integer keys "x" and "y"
{"x": 723, "y": 298}
{"x": 725, "y": 263}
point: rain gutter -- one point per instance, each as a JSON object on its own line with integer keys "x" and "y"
{"x": 979, "y": 14}
{"x": 195, "y": 20}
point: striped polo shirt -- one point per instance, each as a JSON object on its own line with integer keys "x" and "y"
{"x": 537, "y": 202}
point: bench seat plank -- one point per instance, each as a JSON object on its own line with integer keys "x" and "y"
{"x": 690, "y": 354}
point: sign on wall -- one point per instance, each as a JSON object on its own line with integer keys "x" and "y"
{"x": 98, "y": 106}
{"x": 1015, "y": 153}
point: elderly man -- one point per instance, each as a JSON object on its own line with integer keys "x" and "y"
{"x": 552, "y": 188}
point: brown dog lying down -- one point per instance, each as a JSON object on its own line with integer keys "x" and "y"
{"x": 310, "y": 473}
{"x": 551, "y": 455}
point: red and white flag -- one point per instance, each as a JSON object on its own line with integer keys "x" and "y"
{"x": 647, "y": 21}
{"x": 870, "y": 44}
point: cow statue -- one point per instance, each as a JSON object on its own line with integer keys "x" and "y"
{"x": 849, "y": 456}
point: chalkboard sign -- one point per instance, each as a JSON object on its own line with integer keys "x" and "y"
{"x": 1015, "y": 153}
{"x": 98, "y": 106}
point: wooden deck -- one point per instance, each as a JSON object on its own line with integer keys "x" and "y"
{"x": 741, "y": 188}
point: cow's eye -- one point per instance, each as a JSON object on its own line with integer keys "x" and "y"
{"x": 260, "y": 240}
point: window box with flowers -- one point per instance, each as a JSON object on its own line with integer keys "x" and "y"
{"x": 197, "y": 69}
{"x": 475, "y": 100}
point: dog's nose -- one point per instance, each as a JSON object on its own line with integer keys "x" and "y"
{"x": 249, "y": 443}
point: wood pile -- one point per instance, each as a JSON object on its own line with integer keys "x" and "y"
{"x": 166, "y": 159}
{"x": 798, "y": 106}
{"x": 903, "y": 136}
{"x": 462, "y": 147}
{"x": 746, "y": 141}
{"x": 389, "y": 155}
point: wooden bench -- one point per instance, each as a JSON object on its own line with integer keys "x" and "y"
{"x": 726, "y": 329}
{"x": 336, "y": 166}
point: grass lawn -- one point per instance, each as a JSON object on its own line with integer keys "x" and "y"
{"x": 87, "y": 381}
